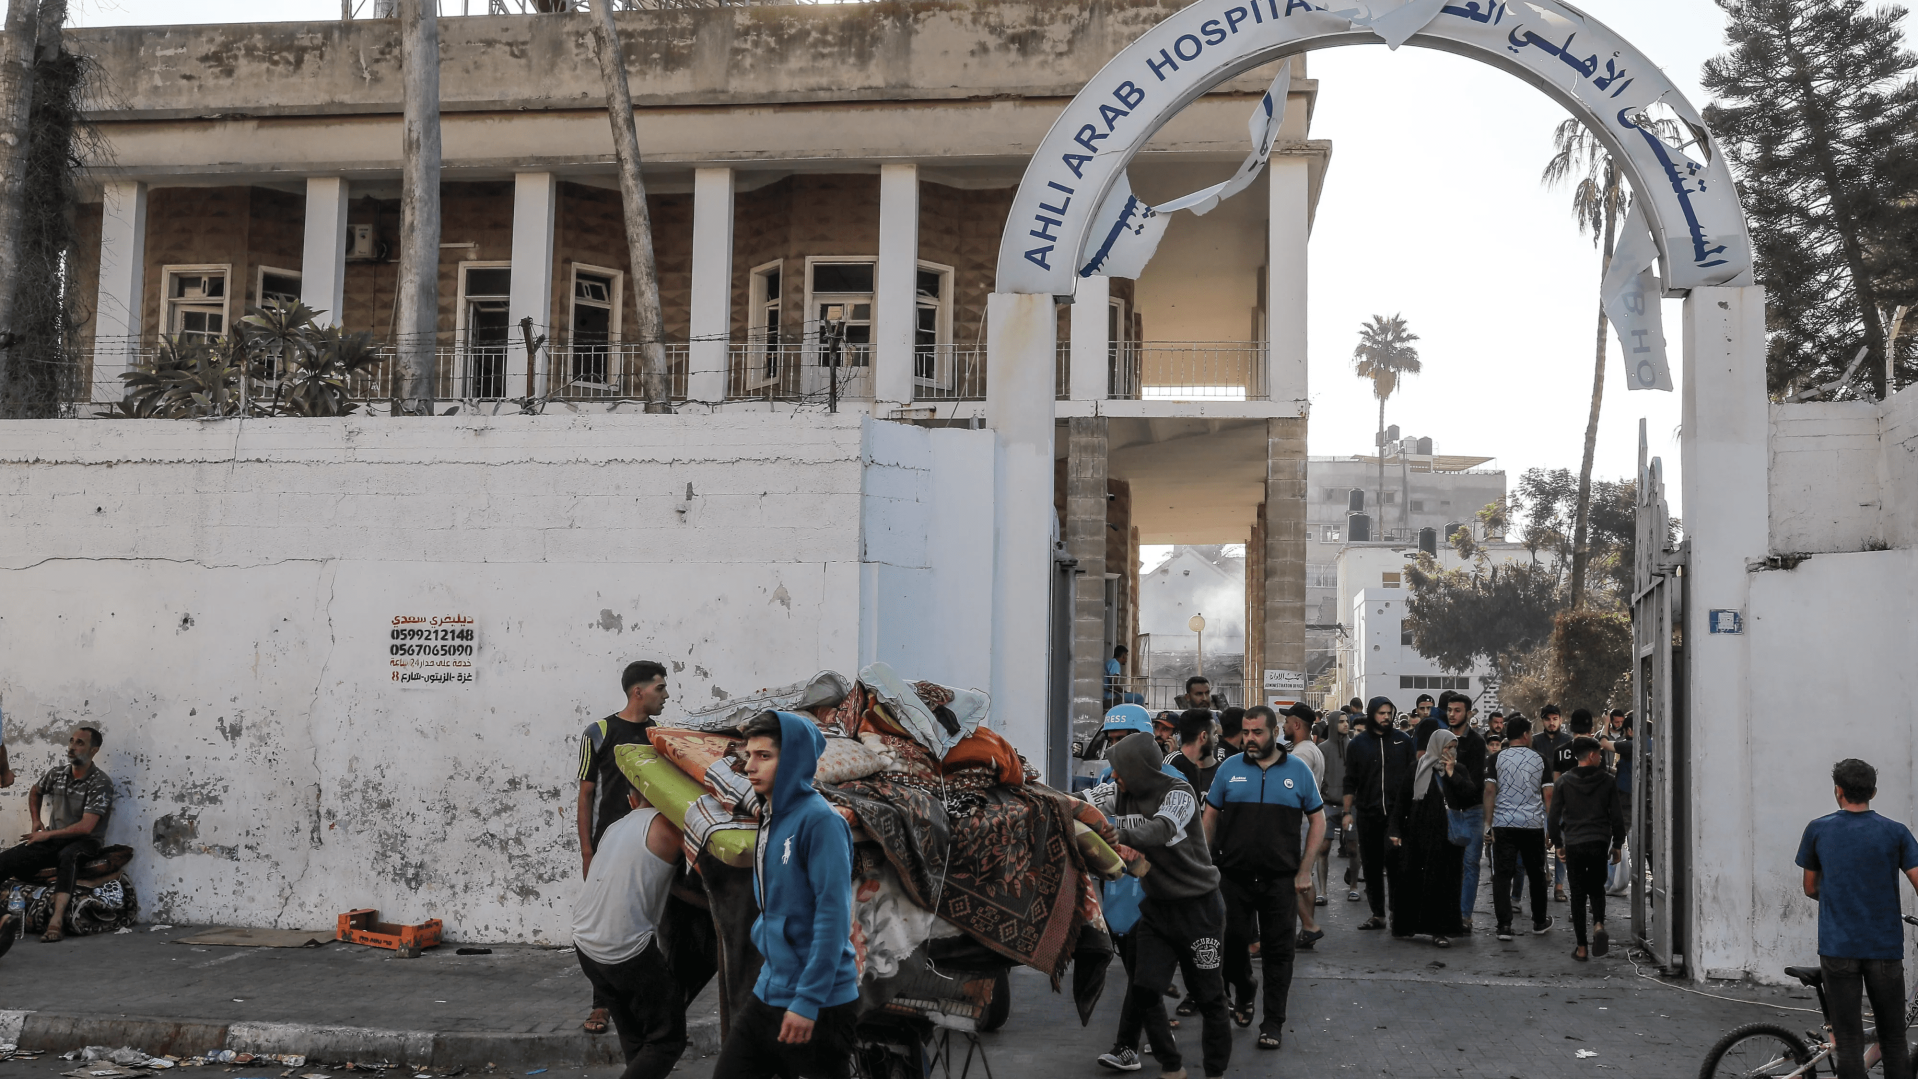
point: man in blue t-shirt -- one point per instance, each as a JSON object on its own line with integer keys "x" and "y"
{"x": 1852, "y": 859}
{"x": 1253, "y": 811}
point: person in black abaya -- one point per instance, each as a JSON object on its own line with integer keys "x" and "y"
{"x": 1431, "y": 867}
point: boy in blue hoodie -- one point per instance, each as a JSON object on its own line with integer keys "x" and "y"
{"x": 799, "y": 1022}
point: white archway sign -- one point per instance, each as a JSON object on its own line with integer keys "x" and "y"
{"x": 1686, "y": 191}
{"x": 1695, "y": 219}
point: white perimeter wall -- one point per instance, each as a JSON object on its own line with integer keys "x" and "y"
{"x": 1831, "y": 643}
{"x": 219, "y": 598}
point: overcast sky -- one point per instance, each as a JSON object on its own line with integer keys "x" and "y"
{"x": 1432, "y": 209}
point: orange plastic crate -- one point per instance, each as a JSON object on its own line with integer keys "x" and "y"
{"x": 364, "y": 927}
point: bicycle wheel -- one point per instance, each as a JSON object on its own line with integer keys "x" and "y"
{"x": 1755, "y": 1051}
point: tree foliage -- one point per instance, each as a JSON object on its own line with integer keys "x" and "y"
{"x": 1517, "y": 616}
{"x": 1495, "y": 613}
{"x": 290, "y": 366}
{"x": 1818, "y": 111}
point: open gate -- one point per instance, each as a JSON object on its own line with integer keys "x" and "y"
{"x": 1659, "y": 828}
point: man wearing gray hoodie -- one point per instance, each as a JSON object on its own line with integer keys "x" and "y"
{"x": 1182, "y": 918}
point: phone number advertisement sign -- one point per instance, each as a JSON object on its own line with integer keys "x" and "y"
{"x": 430, "y": 651}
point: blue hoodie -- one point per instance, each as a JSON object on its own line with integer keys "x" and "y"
{"x": 804, "y": 930}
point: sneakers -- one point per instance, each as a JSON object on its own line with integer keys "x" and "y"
{"x": 1505, "y": 932}
{"x": 1306, "y": 940}
{"x": 1541, "y": 927}
{"x": 1120, "y": 1059}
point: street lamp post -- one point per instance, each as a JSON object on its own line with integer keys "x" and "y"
{"x": 1197, "y": 625}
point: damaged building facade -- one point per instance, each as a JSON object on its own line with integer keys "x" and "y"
{"x": 224, "y": 602}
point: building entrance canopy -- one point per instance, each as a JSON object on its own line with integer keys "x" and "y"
{"x": 1681, "y": 180}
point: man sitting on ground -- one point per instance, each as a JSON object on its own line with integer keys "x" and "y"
{"x": 78, "y": 799}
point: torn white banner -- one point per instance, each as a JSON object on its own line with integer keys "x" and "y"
{"x": 1398, "y": 25}
{"x": 1125, "y": 233}
{"x": 1124, "y": 236}
{"x": 1262, "y": 128}
{"x": 1630, "y": 295}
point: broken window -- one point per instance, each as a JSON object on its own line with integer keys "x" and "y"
{"x": 484, "y": 291}
{"x": 842, "y": 299}
{"x": 196, "y": 302}
{"x": 595, "y": 324}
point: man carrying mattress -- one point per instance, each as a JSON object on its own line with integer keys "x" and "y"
{"x": 798, "y": 1023}
{"x": 1182, "y": 918}
{"x": 615, "y": 923}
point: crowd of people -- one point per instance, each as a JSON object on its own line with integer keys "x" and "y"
{"x": 1230, "y": 808}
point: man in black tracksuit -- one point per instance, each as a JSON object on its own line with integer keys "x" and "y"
{"x": 1378, "y": 762}
{"x": 1586, "y": 826}
{"x": 1182, "y": 918}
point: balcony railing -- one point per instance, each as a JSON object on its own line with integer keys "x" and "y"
{"x": 1188, "y": 371}
{"x": 793, "y": 372}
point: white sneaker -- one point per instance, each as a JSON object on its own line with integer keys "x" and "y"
{"x": 1120, "y": 1059}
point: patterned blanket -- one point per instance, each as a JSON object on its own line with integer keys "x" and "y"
{"x": 104, "y": 908}
{"x": 999, "y": 863}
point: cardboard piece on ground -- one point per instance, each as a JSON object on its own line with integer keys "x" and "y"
{"x": 241, "y": 937}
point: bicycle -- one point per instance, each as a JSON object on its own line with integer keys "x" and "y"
{"x": 1772, "y": 1051}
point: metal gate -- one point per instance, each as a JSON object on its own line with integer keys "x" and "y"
{"x": 1659, "y": 827}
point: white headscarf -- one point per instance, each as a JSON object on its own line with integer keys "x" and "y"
{"x": 1430, "y": 761}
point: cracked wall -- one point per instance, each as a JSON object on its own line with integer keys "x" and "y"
{"x": 220, "y": 598}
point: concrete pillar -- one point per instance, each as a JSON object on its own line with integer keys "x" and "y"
{"x": 1090, "y": 338}
{"x": 712, "y": 303}
{"x": 323, "y": 255}
{"x": 1723, "y": 445}
{"x": 116, "y": 321}
{"x": 1086, "y": 543}
{"x": 895, "y": 288}
{"x": 1255, "y": 608}
{"x": 1283, "y": 524}
{"x": 1287, "y": 230}
{"x": 535, "y": 198}
{"x": 1021, "y": 338}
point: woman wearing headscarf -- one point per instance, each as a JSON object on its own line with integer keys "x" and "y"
{"x": 1432, "y": 867}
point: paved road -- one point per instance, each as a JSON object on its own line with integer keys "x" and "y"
{"x": 1362, "y": 1004}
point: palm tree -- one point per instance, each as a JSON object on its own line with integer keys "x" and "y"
{"x": 1384, "y": 354}
{"x": 1599, "y": 198}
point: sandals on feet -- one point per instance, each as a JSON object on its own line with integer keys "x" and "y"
{"x": 1442, "y": 941}
{"x": 1268, "y": 1041}
{"x": 596, "y": 1021}
{"x": 1374, "y": 922}
{"x": 52, "y": 935}
{"x": 1578, "y": 953}
{"x": 1242, "y": 1014}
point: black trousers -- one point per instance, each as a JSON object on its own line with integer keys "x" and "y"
{"x": 27, "y": 859}
{"x": 1264, "y": 908}
{"x": 1131, "y": 1015}
{"x": 1884, "y": 981}
{"x": 1376, "y": 856}
{"x": 648, "y": 1012}
{"x": 753, "y": 1049}
{"x": 1181, "y": 934}
{"x": 1510, "y": 846}
{"x": 1585, "y": 870}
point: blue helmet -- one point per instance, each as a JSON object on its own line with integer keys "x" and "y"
{"x": 1128, "y": 717}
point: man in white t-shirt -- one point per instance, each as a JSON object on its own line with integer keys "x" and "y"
{"x": 614, "y": 920}
{"x": 1298, "y": 737}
